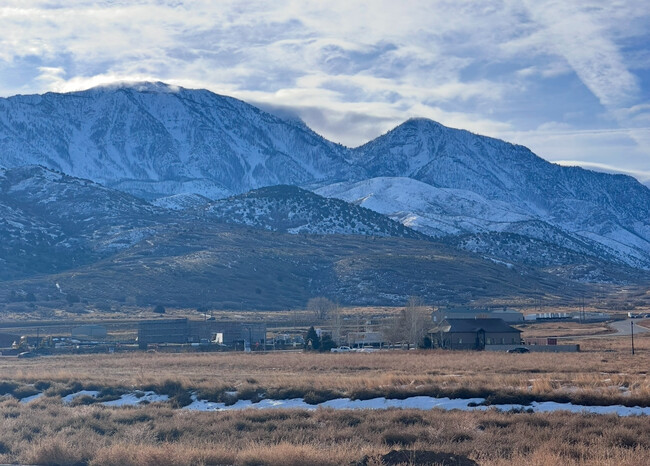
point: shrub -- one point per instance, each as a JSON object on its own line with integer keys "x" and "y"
{"x": 399, "y": 438}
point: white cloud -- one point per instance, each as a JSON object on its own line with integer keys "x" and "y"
{"x": 641, "y": 175}
{"x": 572, "y": 32}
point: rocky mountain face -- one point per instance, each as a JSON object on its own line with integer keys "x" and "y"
{"x": 450, "y": 182}
{"x": 152, "y": 140}
{"x": 181, "y": 149}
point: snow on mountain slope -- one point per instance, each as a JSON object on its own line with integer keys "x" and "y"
{"x": 50, "y": 221}
{"x": 442, "y": 212}
{"x": 448, "y": 158}
{"x": 431, "y": 210}
{"x": 293, "y": 210}
{"x": 152, "y": 139}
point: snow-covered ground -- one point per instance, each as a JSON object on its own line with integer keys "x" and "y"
{"x": 417, "y": 402}
{"x": 68, "y": 398}
{"x": 31, "y": 398}
{"x": 133, "y": 399}
{"x": 139, "y": 398}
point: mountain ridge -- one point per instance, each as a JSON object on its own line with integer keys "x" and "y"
{"x": 65, "y": 240}
{"x": 153, "y": 140}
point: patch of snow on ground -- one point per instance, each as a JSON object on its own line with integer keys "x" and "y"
{"x": 68, "y": 398}
{"x": 31, "y": 398}
{"x": 134, "y": 399}
{"x": 416, "y": 402}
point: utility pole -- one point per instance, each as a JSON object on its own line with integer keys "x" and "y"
{"x": 632, "y": 334}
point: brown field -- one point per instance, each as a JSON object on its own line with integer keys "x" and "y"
{"x": 604, "y": 371}
{"x": 47, "y": 432}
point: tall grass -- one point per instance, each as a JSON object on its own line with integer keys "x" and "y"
{"x": 47, "y": 432}
{"x": 603, "y": 377}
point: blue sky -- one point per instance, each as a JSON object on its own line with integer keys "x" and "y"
{"x": 569, "y": 79}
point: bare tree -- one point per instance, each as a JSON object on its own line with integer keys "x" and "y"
{"x": 416, "y": 321}
{"x": 393, "y": 329}
{"x": 320, "y": 306}
{"x": 336, "y": 322}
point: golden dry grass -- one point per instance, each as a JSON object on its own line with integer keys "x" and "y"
{"x": 564, "y": 329}
{"x": 608, "y": 375}
{"x": 46, "y": 432}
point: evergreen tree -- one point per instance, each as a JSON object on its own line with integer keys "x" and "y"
{"x": 326, "y": 343}
{"x": 311, "y": 340}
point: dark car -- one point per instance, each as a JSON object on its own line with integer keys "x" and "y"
{"x": 519, "y": 349}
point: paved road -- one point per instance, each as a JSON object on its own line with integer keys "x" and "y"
{"x": 623, "y": 327}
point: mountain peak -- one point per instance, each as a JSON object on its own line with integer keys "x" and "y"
{"x": 157, "y": 87}
{"x": 153, "y": 140}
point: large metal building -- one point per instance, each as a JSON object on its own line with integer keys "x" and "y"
{"x": 162, "y": 331}
{"x": 182, "y": 331}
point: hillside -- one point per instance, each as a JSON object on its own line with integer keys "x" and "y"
{"x": 237, "y": 267}
{"x": 52, "y": 222}
{"x": 290, "y": 209}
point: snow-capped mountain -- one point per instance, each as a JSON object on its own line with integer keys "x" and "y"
{"x": 151, "y": 140}
{"x": 294, "y": 210}
{"x": 472, "y": 184}
{"x": 157, "y": 141}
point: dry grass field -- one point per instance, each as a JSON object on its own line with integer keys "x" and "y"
{"x": 46, "y": 431}
{"x": 604, "y": 373}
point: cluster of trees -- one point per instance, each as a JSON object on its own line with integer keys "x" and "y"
{"x": 321, "y": 307}
{"x": 409, "y": 327}
{"x": 314, "y": 342}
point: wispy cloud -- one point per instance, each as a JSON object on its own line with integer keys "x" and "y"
{"x": 643, "y": 176}
{"x": 574, "y": 32}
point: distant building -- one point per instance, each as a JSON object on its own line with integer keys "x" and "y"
{"x": 508, "y": 315}
{"x": 473, "y": 334}
{"x": 365, "y": 338}
{"x": 89, "y": 331}
{"x": 548, "y": 316}
{"x": 183, "y": 331}
{"x": 162, "y": 331}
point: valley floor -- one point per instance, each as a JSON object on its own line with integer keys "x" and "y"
{"x": 85, "y": 431}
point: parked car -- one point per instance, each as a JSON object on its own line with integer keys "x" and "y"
{"x": 27, "y": 354}
{"x": 519, "y": 349}
{"x": 341, "y": 349}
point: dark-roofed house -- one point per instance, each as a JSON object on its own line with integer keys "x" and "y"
{"x": 473, "y": 334}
